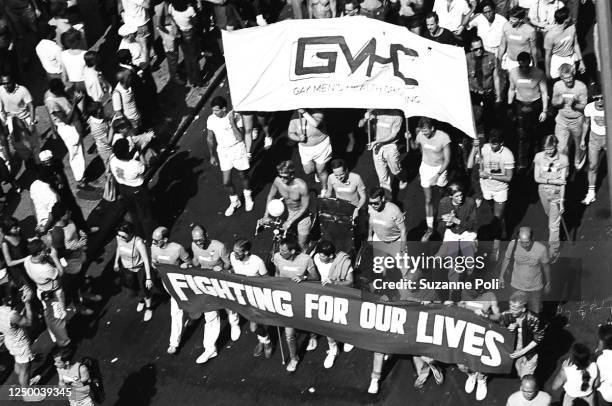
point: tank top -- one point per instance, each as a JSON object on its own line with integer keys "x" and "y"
{"x": 15, "y": 338}
{"x": 129, "y": 254}
{"x": 16, "y": 251}
{"x": 71, "y": 375}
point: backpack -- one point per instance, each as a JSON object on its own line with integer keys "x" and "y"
{"x": 96, "y": 389}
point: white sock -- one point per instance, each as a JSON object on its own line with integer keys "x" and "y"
{"x": 247, "y": 193}
{"x": 233, "y": 198}
{"x": 429, "y": 221}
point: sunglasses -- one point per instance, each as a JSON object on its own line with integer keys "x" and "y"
{"x": 376, "y": 203}
{"x": 478, "y": 49}
{"x": 287, "y": 177}
{"x": 156, "y": 242}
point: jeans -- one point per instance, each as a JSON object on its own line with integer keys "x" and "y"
{"x": 189, "y": 45}
{"x": 138, "y": 203}
{"x": 483, "y": 106}
{"x": 569, "y": 130}
{"x": 551, "y": 197}
{"x": 527, "y": 114}
{"x": 386, "y": 163}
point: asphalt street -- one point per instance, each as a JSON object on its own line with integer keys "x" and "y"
{"x": 132, "y": 353}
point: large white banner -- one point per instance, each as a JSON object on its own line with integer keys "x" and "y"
{"x": 355, "y": 62}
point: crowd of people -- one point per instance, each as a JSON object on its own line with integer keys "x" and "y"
{"x": 525, "y": 68}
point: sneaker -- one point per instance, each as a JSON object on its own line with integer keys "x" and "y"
{"x": 330, "y": 358}
{"x": 267, "y": 142}
{"x": 323, "y": 193}
{"x": 437, "y": 373}
{"x": 83, "y": 311}
{"x": 232, "y": 208}
{"x": 481, "y": 389}
{"x": 427, "y": 235}
{"x": 259, "y": 350}
{"x": 589, "y": 198}
{"x": 373, "y": 389}
{"x": 171, "y": 350}
{"x": 268, "y": 350}
{"x": 148, "y": 314}
{"x": 312, "y": 344}
{"x": 348, "y": 347}
{"x": 292, "y": 365}
{"x": 206, "y": 356}
{"x": 94, "y": 229}
{"x": 140, "y": 306}
{"x": 235, "y": 333}
{"x": 248, "y": 204}
{"x": 420, "y": 381}
{"x": 470, "y": 383}
{"x": 255, "y": 133}
{"x": 403, "y": 184}
{"x": 478, "y": 201}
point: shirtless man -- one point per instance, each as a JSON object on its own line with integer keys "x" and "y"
{"x": 295, "y": 194}
{"x": 308, "y": 130}
{"x": 321, "y": 8}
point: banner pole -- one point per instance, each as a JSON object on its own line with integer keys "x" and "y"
{"x": 280, "y": 344}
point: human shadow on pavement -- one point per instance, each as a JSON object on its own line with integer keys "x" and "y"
{"x": 139, "y": 387}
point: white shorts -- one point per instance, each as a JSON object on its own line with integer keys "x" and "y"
{"x": 556, "y": 62}
{"x": 508, "y": 64}
{"x": 233, "y": 157}
{"x": 499, "y": 196}
{"x": 464, "y": 236}
{"x": 320, "y": 154}
{"x": 429, "y": 176}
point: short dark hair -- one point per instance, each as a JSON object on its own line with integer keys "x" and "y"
{"x": 524, "y": 57}
{"x": 58, "y": 211}
{"x": 326, "y": 247}
{"x": 121, "y": 149}
{"x": 56, "y": 86}
{"x": 122, "y": 124}
{"x": 126, "y": 227}
{"x": 124, "y": 56}
{"x": 243, "y": 244}
{"x": 605, "y": 335}
{"x": 434, "y": 15}
{"x": 71, "y": 39}
{"x": 338, "y": 163}
{"x": 517, "y": 12}
{"x": 561, "y": 15}
{"x": 426, "y": 122}
{"x": 495, "y": 137}
{"x": 291, "y": 243}
{"x": 476, "y": 39}
{"x": 286, "y": 166}
{"x": 94, "y": 109}
{"x": 36, "y": 246}
{"x": 489, "y": 3}
{"x": 91, "y": 58}
{"x": 455, "y": 187}
{"x": 376, "y": 192}
{"x": 218, "y": 101}
{"x": 9, "y": 223}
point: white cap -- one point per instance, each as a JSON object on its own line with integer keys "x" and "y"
{"x": 45, "y": 155}
{"x": 276, "y": 208}
{"x": 126, "y": 30}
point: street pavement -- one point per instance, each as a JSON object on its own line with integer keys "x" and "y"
{"x": 187, "y": 189}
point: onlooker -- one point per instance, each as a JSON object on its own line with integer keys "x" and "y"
{"x": 454, "y": 14}
{"x": 604, "y": 363}
{"x": 132, "y": 258}
{"x": 136, "y": 14}
{"x": 595, "y": 119}
{"x": 129, "y": 171}
{"x": 184, "y": 15}
{"x": 578, "y": 376}
{"x": 14, "y": 250}
{"x": 169, "y": 32}
{"x": 137, "y": 50}
{"x": 531, "y": 270}
{"x": 124, "y": 98}
{"x": 73, "y": 63}
{"x": 529, "y": 395}
{"x": 542, "y": 13}
{"x": 99, "y": 129}
{"x": 44, "y": 197}
{"x": 97, "y": 87}
{"x": 489, "y": 26}
{"x": 321, "y": 8}
{"x": 49, "y": 54}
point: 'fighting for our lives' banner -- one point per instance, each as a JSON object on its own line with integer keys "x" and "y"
{"x": 353, "y": 62}
{"x": 448, "y": 334}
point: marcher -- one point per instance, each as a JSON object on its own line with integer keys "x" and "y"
{"x": 561, "y": 45}
{"x": 454, "y": 14}
{"x": 528, "y": 96}
{"x": 136, "y": 14}
{"x": 170, "y": 253}
{"x": 334, "y": 268}
{"x": 436, "y": 154}
{"x": 570, "y": 96}
{"x": 97, "y": 87}
{"x": 245, "y": 263}
{"x": 18, "y": 114}
{"x": 529, "y": 394}
{"x": 226, "y": 140}
{"x": 124, "y": 98}
{"x": 531, "y": 271}
{"x": 518, "y": 37}
{"x": 46, "y": 272}
{"x": 44, "y": 196}
{"x": 49, "y": 54}
{"x": 385, "y": 152}
{"x": 132, "y": 259}
{"x": 137, "y": 49}
{"x": 550, "y": 173}
{"x": 387, "y": 221}
{"x": 299, "y": 267}
{"x": 346, "y": 186}
{"x": 529, "y": 333}
{"x": 489, "y": 26}
{"x": 595, "y": 120}
{"x": 99, "y": 129}
{"x": 437, "y": 33}
{"x": 578, "y": 376}
{"x": 169, "y": 32}
{"x": 73, "y": 63}
{"x": 184, "y": 15}
{"x": 314, "y": 145}
{"x": 296, "y": 198}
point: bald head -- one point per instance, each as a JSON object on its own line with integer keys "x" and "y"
{"x": 525, "y": 237}
{"x": 199, "y": 236}
{"x": 529, "y": 387}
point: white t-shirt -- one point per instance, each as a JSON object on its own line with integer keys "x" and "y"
{"x": 598, "y": 119}
{"x": 43, "y": 198}
{"x": 253, "y": 266}
{"x": 16, "y": 103}
{"x": 222, "y": 129}
{"x": 451, "y": 18}
{"x": 93, "y": 84}
{"x": 604, "y": 363}
{"x": 49, "y": 54}
{"x": 138, "y": 55}
{"x": 74, "y": 65}
{"x": 124, "y": 100}
{"x": 495, "y": 163}
{"x": 128, "y": 173}
{"x": 135, "y": 12}
{"x": 322, "y": 267}
{"x": 182, "y": 18}
{"x": 491, "y": 33}
{"x": 574, "y": 380}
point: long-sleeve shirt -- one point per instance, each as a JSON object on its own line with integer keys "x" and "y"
{"x": 465, "y": 212}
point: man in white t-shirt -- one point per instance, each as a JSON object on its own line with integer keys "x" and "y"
{"x": 489, "y": 26}
{"x": 136, "y": 13}
{"x": 226, "y": 140}
{"x": 595, "y": 119}
{"x": 48, "y": 52}
{"x": 44, "y": 197}
{"x": 247, "y": 264}
{"x": 453, "y": 14}
{"x": 529, "y": 395}
{"x": 129, "y": 42}
{"x": 18, "y": 114}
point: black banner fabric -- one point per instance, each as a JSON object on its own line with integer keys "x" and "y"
{"x": 449, "y": 334}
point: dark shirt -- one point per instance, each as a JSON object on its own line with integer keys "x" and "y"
{"x": 480, "y": 72}
{"x": 446, "y": 37}
{"x": 531, "y": 329}
{"x": 466, "y": 213}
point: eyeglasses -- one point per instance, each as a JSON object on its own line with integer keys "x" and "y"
{"x": 155, "y": 242}
{"x": 478, "y": 49}
{"x": 375, "y": 202}
{"x": 286, "y": 177}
